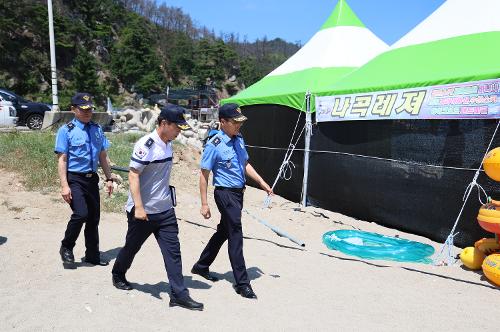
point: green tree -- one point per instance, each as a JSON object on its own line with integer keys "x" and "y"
{"x": 84, "y": 72}
{"x": 214, "y": 61}
{"x": 249, "y": 73}
{"x": 134, "y": 60}
{"x": 179, "y": 49}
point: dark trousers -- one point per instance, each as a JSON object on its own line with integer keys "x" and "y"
{"x": 86, "y": 209}
{"x": 230, "y": 204}
{"x": 165, "y": 229}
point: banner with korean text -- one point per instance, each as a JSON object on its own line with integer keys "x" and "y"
{"x": 471, "y": 100}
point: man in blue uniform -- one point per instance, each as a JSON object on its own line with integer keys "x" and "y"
{"x": 80, "y": 147}
{"x": 150, "y": 206}
{"x": 226, "y": 157}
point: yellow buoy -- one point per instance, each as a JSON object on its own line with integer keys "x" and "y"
{"x": 487, "y": 245}
{"x": 491, "y": 164}
{"x": 472, "y": 258}
{"x": 491, "y": 268}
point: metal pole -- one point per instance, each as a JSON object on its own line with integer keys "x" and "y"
{"x": 306, "y": 148}
{"x": 276, "y": 230}
{"x": 53, "y": 69}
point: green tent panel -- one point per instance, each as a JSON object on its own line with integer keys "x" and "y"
{"x": 290, "y": 89}
{"x": 342, "y": 15}
{"x": 341, "y": 45}
{"x": 454, "y": 60}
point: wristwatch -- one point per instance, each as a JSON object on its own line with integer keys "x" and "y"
{"x": 109, "y": 180}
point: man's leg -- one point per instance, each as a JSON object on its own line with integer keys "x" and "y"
{"x": 91, "y": 231}
{"x": 212, "y": 248}
{"x": 230, "y": 204}
{"x": 80, "y": 212}
{"x": 137, "y": 233}
{"x": 167, "y": 237}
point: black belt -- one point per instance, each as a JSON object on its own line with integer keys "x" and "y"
{"x": 87, "y": 175}
{"x": 236, "y": 190}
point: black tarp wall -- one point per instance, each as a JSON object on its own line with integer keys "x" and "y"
{"x": 405, "y": 174}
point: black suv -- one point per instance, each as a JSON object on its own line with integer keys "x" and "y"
{"x": 30, "y": 113}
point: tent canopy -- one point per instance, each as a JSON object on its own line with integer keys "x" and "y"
{"x": 457, "y": 43}
{"x": 341, "y": 45}
{"x": 454, "y": 60}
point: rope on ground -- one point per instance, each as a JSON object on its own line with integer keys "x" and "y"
{"x": 447, "y": 247}
{"x": 276, "y": 229}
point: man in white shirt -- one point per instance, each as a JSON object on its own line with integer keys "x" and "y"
{"x": 150, "y": 206}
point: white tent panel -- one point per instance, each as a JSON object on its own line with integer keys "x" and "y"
{"x": 341, "y": 46}
{"x": 455, "y": 18}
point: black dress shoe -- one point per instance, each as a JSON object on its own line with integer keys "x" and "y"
{"x": 66, "y": 255}
{"x": 121, "y": 282}
{"x": 205, "y": 274}
{"x": 245, "y": 291}
{"x": 187, "y": 303}
{"x": 99, "y": 262}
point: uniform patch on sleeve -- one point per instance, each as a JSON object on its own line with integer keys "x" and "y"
{"x": 216, "y": 141}
{"x": 140, "y": 153}
{"x": 149, "y": 143}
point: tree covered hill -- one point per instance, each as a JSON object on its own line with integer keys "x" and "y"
{"x": 114, "y": 47}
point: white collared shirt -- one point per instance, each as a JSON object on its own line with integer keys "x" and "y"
{"x": 152, "y": 158}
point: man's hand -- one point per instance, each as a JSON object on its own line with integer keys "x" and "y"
{"x": 66, "y": 194}
{"x": 205, "y": 211}
{"x": 109, "y": 187}
{"x": 140, "y": 214}
{"x": 266, "y": 188}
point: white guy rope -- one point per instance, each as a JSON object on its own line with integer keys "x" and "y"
{"x": 448, "y": 245}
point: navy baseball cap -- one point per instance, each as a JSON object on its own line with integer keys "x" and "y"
{"x": 175, "y": 114}
{"x": 82, "y": 100}
{"x": 231, "y": 111}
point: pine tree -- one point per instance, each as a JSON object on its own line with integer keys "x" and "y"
{"x": 134, "y": 60}
{"x": 84, "y": 72}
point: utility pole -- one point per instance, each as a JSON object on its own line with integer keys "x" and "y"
{"x": 53, "y": 69}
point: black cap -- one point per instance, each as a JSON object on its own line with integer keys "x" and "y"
{"x": 175, "y": 114}
{"x": 231, "y": 111}
{"x": 82, "y": 100}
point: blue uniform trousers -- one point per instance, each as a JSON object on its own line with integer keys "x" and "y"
{"x": 230, "y": 204}
{"x": 165, "y": 229}
{"x": 86, "y": 209}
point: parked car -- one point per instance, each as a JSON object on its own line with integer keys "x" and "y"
{"x": 8, "y": 116}
{"x": 29, "y": 113}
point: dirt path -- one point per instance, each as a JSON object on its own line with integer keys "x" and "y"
{"x": 309, "y": 288}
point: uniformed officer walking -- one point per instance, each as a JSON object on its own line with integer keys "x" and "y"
{"x": 150, "y": 206}
{"x": 80, "y": 147}
{"x": 225, "y": 155}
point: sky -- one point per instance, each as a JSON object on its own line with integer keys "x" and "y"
{"x": 299, "y": 20}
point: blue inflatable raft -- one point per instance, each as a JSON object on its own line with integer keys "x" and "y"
{"x": 375, "y": 246}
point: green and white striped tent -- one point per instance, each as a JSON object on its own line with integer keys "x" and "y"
{"x": 399, "y": 172}
{"x": 341, "y": 45}
{"x": 459, "y": 42}
{"x": 410, "y": 169}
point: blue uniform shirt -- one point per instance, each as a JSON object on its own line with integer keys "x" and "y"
{"x": 227, "y": 158}
{"x": 82, "y": 143}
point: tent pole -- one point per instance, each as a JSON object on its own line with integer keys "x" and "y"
{"x": 306, "y": 149}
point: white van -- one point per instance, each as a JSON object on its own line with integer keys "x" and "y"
{"x": 7, "y": 114}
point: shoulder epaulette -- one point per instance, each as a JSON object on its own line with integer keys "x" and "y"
{"x": 70, "y": 125}
{"x": 149, "y": 143}
{"x": 215, "y": 140}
